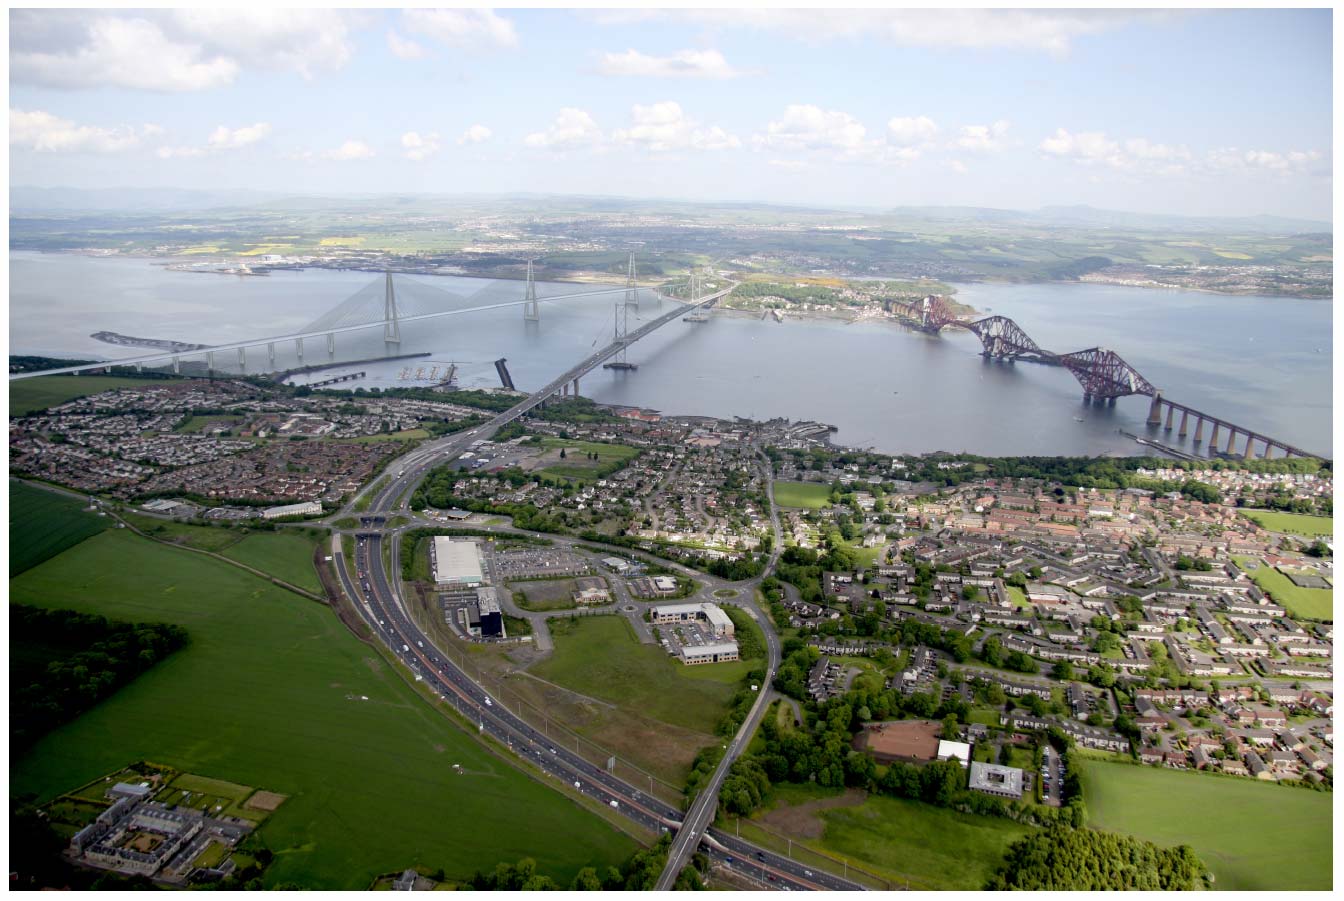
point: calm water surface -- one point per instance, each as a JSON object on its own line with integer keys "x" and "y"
{"x": 1261, "y": 362}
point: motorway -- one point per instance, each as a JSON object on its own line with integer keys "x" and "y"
{"x": 378, "y": 599}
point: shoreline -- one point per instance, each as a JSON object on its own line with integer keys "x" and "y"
{"x": 588, "y": 278}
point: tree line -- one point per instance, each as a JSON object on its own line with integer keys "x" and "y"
{"x": 63, "y": 662}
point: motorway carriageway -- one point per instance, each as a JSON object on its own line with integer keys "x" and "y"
{"x": 415, "y": 650}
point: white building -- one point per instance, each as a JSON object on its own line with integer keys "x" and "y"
{"x": 718, "y": 621}
{"x": 457, "y": 562}
{"x": 954, "y": 750}
{"x": 720, "y": 652}
{"x": 307, "y": 508}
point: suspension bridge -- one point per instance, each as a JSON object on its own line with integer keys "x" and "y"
{"x": 1103, "y": 374}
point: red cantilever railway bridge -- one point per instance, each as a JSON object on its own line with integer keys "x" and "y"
{"x": 1103, "y": 374}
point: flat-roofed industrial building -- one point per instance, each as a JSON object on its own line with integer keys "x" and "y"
{"x": 457, "y": 563}
{"x": 719, "y": 622}
{"x": 720, "y": 652}
{"x": 992, "y": 779}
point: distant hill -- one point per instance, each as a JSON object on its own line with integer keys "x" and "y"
{"x": 25, "y": 199}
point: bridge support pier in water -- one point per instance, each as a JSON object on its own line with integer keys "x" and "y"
{"x": 1247, "y": 453}
{"x": 209, "y": 361}
{"x": 1231, "y": 436}
{"x": 331, "y": 345}
{"x": 1213, "y": 439}
{"x": 177, "y": 365}
{"x": 298, "y": 347}
{"x": 270, "y": 353}
{"x": 1171, "y": 413}
{"x": 1185, "y": 419}
{"x": 242, "y": 360}
{"x": 576, "y": 387}
{"x": 1155, "y": 410}
{"x": 1199, "y": 431}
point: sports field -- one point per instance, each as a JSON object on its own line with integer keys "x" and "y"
{"x": 27, "y": 395}
{"x": 807, "y": 495}
{"x": 43, "y": 523}
{"x": 270, "y": 693}
{"x": 904, "y": 841}
{"x": 599, "y": 656}
{"x": 1310, "y": 603}
{"x": 1253, "y": 835}
{"x": 1296, "y": 523}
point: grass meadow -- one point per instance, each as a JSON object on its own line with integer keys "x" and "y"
{"x": 29, "y": 395}
{"x": 271, "y": 693}
{"x": 1295, "y": 523}
{"x": 1252, "y": 835}
{"x": 804, "y": 495}
{"x": 43, "y": 523}
{"x": 1310, "y": 603}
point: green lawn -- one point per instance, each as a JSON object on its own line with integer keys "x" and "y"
{"x": 285, "y": 554}
{"x": 196, "y": 424}
{"x": 1018, "y": 597}
{"x": 1296, "y": 523}
{"x": 1310, "y": 603}
{"x": 599, "y": 656}
{"x": 205, "y": 538}
{"x": 808, "y": 495}
{"x": 269, "y": 693}
{"x": 577, "y": 465}
{"x": 43, "y": 523}
{"x": 28, "y": 395}
{"x": 930, "y": 847}
{"x": 1253, "y": 836}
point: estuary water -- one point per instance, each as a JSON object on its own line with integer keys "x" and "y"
{"x": 1261, "y": 362}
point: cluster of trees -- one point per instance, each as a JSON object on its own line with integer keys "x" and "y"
{"x": 1059, "y": 859}
{"x": 1083, "y": 472}
{"x": 64, "y": 662}
{"x": 638, "y": 874}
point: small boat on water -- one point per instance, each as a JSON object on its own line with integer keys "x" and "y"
{"x": 1079, "y": 419}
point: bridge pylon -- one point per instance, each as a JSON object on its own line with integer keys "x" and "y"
{"x": 391, "y": 322}
{"x": 531, "y": 309}
{"x": 631, "y": 289}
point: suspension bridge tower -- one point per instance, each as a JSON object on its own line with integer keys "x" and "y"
{"x": 391, "y": 322}
{"x": 620, "y": 326}
{"x": 631, "y": 290}
{"x": 531, "y": 309}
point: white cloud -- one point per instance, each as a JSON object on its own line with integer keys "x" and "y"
{"x": 682, "y": 64}
{"x": 1049, "y": 30}
{"x": 981, "y": 138}
{"x": 403, "y": 48}
{"x": 224, "y": 138}
{"x": 957, "y": 166}
{"x": 790, "y": 165}
{"x": 475, "y": 134}
{"x": 1097, "y": 148}
{"x": 573, "y": 128}
{"x": 419, "y": 147}
{"x": 663, "y": 127}
{"x": 45, "y": 133}
{"x": 350, "y": 150}
{"x": 1309, "y": 162}
{"x": 172, "y": 50}
{"x": 919, "y": 131}
{"x": 810, "y": 128}
{"x": 471, "y": 28}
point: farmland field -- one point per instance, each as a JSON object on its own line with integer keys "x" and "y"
{"x": 27, "y": 395}
{"x": 271, "y": 692}
{"x": 1296, "y": 523}
{"x": 43, "y": 523}
{"x": 1310, "y": 603}
{"x": 930, "y": 847}
{"x": 808, "y": 495}
{"x": 1253, "y": 836}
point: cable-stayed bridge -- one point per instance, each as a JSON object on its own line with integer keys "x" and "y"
{"x": 390, "y": 303}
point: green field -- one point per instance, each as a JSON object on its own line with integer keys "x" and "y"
{"x": 577, "y": 466}
{"x": 270, "y": 693}
{"x": 807, "y": 495}
{"x": 285, "y": 554}
{"x": 599, "y": 656}
{"x": 1253, "y": 836}
{"x": 903, "y": 841}
{"x": 43, "y": 523}
{"x": 1296, "y": 523}
{"x": 1309, "y": 603}
{"x": 1019, "y": 598}
{"x": 28, "y": 395}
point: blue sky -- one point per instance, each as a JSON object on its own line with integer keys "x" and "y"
{"x": 1201, "y": 112}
